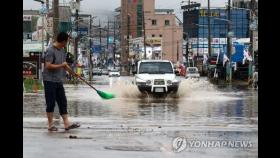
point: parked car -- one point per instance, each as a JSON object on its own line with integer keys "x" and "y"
{"x": 105, "y": 71}
{"x": 97, "y": 71}
{"x": 192, "y": 72}
{"x": 156, "y": 77}
{"x": 85, "y": 73}
{"x": 114, "y": 72}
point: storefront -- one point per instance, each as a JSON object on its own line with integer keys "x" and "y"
{"x": 31, "y": 53}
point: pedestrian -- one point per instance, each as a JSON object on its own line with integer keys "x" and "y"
{"x": 255, "y": 79}
{"x": 53, "y": 75}
{"x": 70, "y": 61}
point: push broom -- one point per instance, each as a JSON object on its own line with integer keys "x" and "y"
{"x": 102, "y": 94}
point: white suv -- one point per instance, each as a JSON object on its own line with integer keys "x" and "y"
{"x": 156, "y": 76}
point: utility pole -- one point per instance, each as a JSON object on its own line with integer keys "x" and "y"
{"x": 114, "y": 45}
{"x": 177, "y": 50}
{"x": 47, "y": 6}
{"x": 187, "y": 48}
{"x": 55, "y": 18}
{"x": 90, "y": 53}
{"x": 144, "y": 28}
{"x": 108, "y": 33}
{"x": 107, "y": 51}
{"x": 229, "y": 36}
{"x": 100, "y": 36}
{"x": 128, "y": 32}
{"x": 209, "y": 30}
{"x": 77, "y": 30}
{"x": 43, "y": 50}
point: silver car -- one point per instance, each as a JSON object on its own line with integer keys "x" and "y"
{"x": 114, "y": 72}
{"x": 97, "y": 71}
{"x": 192, "y": 72}
{"x": 105, "y": 71}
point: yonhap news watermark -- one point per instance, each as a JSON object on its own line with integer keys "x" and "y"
{"x": 180, "y": 143}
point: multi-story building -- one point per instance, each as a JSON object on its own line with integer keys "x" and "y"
{"x": 249, "y": 4}
{"x": 196, "y": 27}
{"x": 32, "y": 17}
{"x": 253, "y": 6}
{"x": 159, "y": 25}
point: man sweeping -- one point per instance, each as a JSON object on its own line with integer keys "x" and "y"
{"x": 53, "y": 76}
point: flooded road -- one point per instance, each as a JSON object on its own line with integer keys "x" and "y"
{"x": 133, "y": 124}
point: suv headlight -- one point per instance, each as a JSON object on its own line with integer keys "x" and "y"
{"x": 169, "y": 82}
{"x": 148, "y": 82}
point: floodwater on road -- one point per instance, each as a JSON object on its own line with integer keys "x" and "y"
{"x": 200, "y": 110}
{"x": 197, "y": 100}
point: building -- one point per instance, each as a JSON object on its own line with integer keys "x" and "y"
{"x": 30, "y": 18}
{"x": 253, "y": 6}
{"x": 139, "y": 17}
{"x": 196, "y": 27}
{"x": 245, "y": 4}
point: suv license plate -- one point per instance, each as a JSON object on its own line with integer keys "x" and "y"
{"x": 158, "y": 89}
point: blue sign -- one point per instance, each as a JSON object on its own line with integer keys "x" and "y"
{"x": 96, "y": 49}
{"x": 238, "y": 55}
{"x": 83, "y": 31}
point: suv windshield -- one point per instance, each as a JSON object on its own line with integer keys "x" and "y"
{"x": 155, "y": 68}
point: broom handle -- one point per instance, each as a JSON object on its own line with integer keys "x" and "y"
{"x": 73, "y": 73}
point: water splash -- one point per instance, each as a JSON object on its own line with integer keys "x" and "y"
{"x": 202, "y": 89}
{"x": 126, "y": 89}
{"x": 188, "y": 88}
{"x": 191, "y": 89}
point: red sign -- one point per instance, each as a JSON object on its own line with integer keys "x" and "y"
{"x": 29, "y": 69}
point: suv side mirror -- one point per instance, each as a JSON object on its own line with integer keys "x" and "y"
{"x": 176, "y": 72}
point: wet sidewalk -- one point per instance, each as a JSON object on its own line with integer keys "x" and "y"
{"x": 119, "y": 138}
{"x": 132, "y": 126}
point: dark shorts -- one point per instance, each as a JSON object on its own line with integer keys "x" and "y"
{"x": 54, "y": 91}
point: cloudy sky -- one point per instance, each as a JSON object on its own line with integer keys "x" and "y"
{"x": 103, "y": 7}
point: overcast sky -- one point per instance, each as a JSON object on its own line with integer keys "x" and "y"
{"x": 99, "y": 7}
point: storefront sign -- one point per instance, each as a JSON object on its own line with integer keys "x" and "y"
{"x": 212, "y": 13}
{"x": 153, "y": 41}
{"x": 30, "y": 69}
